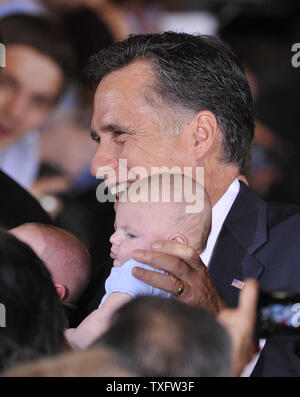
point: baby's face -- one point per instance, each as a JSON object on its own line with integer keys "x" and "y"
{"x": 138, "y": 226}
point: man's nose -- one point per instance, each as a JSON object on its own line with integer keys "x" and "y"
{"x": 16, "y": 107}
{"x": 104, "y": 160}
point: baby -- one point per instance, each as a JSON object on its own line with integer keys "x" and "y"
{"x": 64, "y": 255}
{"x": 142, "y": 218}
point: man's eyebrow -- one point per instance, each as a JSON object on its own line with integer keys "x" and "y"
{"x": 107, "y": 128}
{"x": 43, "y": 98}
{"x": 113, "y": 127}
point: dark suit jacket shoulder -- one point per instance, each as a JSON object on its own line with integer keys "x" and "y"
{"x": 260, "y": 240}
{"x": 281, "y": 254}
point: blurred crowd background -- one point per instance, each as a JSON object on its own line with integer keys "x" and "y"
{"x": 262, "y": 32}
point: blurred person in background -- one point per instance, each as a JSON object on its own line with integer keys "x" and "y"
{"x": 265, "y": 166}
{"x": 34, "y": 317}
{"x": 93, "y": 34}
{"x": 66, "y": 258}
{"x": 74, "y": 109}
{"x": 125, "y": 17}
{"x": 35, "y": 76}
{"x": 156, "y": 336}
{"x": 263, "y": 37}
{"x": 31, "y": 7}
{"x": 17, "y": 205}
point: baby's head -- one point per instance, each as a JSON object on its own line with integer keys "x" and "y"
{"x": 158, "y": 208}
{"x": 65, "y": 256}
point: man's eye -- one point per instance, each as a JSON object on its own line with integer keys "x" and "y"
{"x": 41, "y": 102}
{"x": 119, "y": 135}
{"x": 95, "y": 137}
{"x": 5, "y": 82}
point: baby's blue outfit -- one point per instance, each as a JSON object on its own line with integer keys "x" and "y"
{"x": 122, "y": 280}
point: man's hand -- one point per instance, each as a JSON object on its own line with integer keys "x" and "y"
{"x": 239, "y": 324}
{"x": 183, "y": 265}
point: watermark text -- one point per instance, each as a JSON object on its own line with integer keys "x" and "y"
{"x": 2, "y": 316}
{"x": 2, "y": 56}
{"x": 176, "y": 185}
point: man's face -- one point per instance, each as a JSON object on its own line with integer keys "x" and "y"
{"x": 127, "y": 127}
{"x": 138, "y": 226}
{"x": 29, "y": 86}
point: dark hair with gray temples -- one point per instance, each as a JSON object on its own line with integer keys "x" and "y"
{"x": 194, "y": 72}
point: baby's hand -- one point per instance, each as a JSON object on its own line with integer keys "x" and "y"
{"x": 88, "y": 331}
{"x": 96, "y": 323}
{"x": 73, "y": 338}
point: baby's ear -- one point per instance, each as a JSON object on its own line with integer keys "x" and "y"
{"x": 180, "y": 238}
{"x": 62, "y": 291}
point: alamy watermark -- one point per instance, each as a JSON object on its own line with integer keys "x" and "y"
{"x": 296, "y": 317}
{"x": 2, "y": 316}
{"x": 2, "y": 56}
{"x": 186, "y": 186}
{"x": 296, "y": 57}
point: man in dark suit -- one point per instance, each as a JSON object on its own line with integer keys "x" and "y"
{"x": 165, "y": 100}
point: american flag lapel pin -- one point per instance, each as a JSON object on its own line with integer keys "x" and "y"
{"x": 237, "y": 283}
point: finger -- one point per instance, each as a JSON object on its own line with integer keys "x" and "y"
{"x": 170, "y": 264}
{"x": 166, "y": 282}
{"x": 186, "y": 253}
{"x": 248, "y": 298}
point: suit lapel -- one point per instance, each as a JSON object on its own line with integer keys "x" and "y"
{"x": 243, "y": 232}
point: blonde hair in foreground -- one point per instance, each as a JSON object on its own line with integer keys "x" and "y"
{"x": 94, "y": 362}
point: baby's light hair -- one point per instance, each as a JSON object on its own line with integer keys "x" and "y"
{"x": 188, "y": 198}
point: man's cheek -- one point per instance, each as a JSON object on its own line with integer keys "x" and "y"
{"x": 35, "y": 120}
{"x": 131, "y": 152}
{"x": 2, "y": 103}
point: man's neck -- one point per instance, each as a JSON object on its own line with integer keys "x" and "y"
{"x": 218, "y": 179}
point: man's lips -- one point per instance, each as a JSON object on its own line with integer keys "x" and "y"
{"x": 4, "y": 130}
{"x": 119, "y": 188}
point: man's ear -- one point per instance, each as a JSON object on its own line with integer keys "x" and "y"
{"x": 62, "y": 291}
{"x": 205, "y": 128}
{"x": 180, "y": 238}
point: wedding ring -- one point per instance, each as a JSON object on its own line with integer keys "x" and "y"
{"x": 180, "y": 289}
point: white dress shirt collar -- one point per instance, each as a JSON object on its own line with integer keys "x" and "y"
{"x": 219, "y": 213}
{"x": 20, "y": 160}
